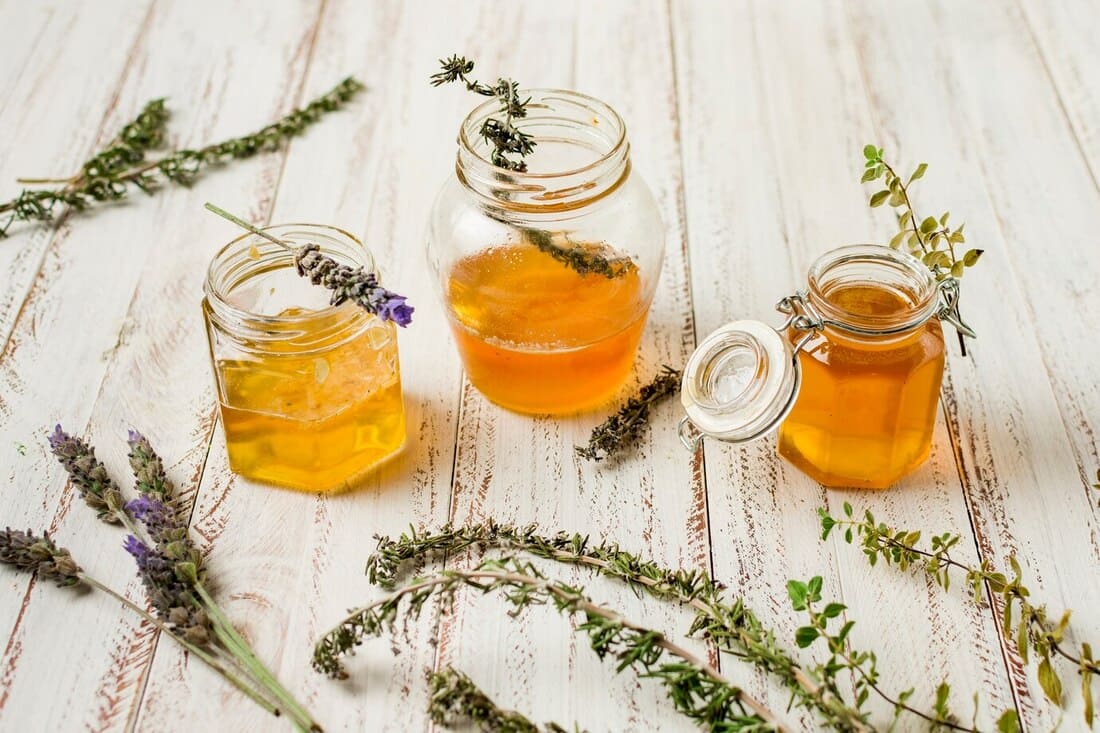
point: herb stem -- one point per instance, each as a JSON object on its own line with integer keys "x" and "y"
{"x": 245, "y": 225}
{"x": 198, "y": 651}
{"x": 908, "y": 205}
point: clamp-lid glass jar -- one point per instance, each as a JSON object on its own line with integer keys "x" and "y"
{"x": 310, "y": 393}
{"x": 852, "y": 379}
{"x": 547, "y": 274}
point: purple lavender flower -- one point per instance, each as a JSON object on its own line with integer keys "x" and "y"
{"x": 354, "y": 284}
{"x": 148, "y": 467}
{"x": 88, "y": 474}
{"x": 169, "y": 594}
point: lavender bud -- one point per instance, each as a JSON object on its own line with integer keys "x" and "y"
{"x": 88, "y": 474}
{"x": 169, "y": 595}
{"x": 148, "y": 467}
{"x": 354, "y": 284}
{"x": 40, "y": 555}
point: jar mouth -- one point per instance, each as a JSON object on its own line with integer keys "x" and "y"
{"x": 908, "y": 289}
{"x": 581, "y": 152}
{"x": 252, "y": 287}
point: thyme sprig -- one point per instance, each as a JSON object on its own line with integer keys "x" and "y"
{"x": 583, "y": 257}
{"x": 356, "y": 284}
{"x": 626, "y": 427}
{"x": 733, "y": 627}
{"x": 111, "y": 174}
{"x": 1031, "y": 626}
{"x": 696, "y": 688}
{"x": 170, "y": 566}
{"x": 502, "y": 134}
{"x": 455, "y": 699}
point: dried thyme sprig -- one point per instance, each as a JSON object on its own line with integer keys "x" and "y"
{"x": 346, "y": 283}
{"x": 1033, "y": 629}
{"x": 625, "y": 428}
{"x": 502, "y": 134}
{"x": 696, "y": 689}
{"x": 38, "y": 554}
{"x": 171, "y": 567}
{"x": 582, "y": 257}
{"x": 734, "y": 628}
{"x": 110, "y": 174}
{"x": 455, "y": 700}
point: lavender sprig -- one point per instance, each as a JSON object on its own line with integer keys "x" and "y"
{"x": 626, "y": 426}
{"x": 149, "y": 474}
{"x": 169, "y": 593}
{"x": 346, "y": 283}
{"x": 88, "y": 475}
{"x": 26, "y": 551}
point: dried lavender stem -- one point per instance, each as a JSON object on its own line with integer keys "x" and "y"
{"x": 198, "y": 651}
{"x": 245, "y": 225}
{"x": 240, "y": 648}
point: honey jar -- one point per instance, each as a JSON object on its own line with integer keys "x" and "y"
{"x": 547, "y": 274}
{"x": 851, "y": 379}
{"x": 310, "y": 393}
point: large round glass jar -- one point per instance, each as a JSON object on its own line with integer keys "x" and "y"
{"x": 852, "y": 379}
{"x": 310, "y": 393}
{"x": 547, "y": 275}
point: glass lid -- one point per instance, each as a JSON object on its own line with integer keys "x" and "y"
{"x": 740, "y": 382}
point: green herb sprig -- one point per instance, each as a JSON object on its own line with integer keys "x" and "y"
{"x": 626, "y": 427}
{"x": 502, "y": 134}
{"x": 455, "y": 700}
{"x": 696, "y": 689}
{"x": 1032, "y": 626}
{"x": 111, "y": 174}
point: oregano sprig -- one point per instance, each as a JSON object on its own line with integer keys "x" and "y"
{"x": 696, "y": 689}
{"x": 1034, "y": 629}
{"x": 111, "y": 174}
{"x": 623, "y": 429}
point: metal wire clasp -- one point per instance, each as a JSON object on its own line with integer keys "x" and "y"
{"x": 949, "y": 306}
{"x": 801, "y": 316}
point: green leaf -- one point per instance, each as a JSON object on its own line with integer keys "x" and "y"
{"x": 798, "y": 591}
{"x": 870, "y": 152}
{"x": 827, "y": 524}
{"x": 897, "y": 199}
{"x": 943, "y": 219}
{"x": 897, "y": 240}
{"x": 847, "y": 509}
{"x": 919, "y": 172}
{"x": 833, "y": 610}
{"x": 1050, "y": 682}
{"x": 972, "y": 256}
{"x": 805, "y": 636}
{"x": 814, "y": 587}
{"x": 957, "y": 269}
{"x": 1009, "y": 722}
{"x": 879, "y": 198}
{"x": 870, "y": 175}
{"x": 1086, "y": 693}
{"x": 928, "y": 225}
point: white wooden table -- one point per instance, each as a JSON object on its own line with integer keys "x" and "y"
{"x": 748, "y": 119}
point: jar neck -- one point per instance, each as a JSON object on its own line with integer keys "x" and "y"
{"x": 581, "y": 154}
{"x": 254, "y": 293}
{"x": 871, "y": 290}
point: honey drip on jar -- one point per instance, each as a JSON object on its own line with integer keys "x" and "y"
{"x": 314, "y": 416}
{"x": 867, "y": 406}
{"x": 538, "y": 337}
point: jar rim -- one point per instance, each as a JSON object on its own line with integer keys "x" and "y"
{"x": 467, "y": 134}
{"x": 920, "y": 284}
{"x": 221, "y": 279}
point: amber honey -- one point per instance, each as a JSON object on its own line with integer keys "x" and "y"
{"x": 867, "y": 407}
{"x": 314, "y": 420}
{"x": 536, "y": 336}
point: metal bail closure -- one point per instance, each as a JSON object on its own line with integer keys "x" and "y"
{"x": 739, "y": 384}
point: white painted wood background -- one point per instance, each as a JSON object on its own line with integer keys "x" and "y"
{"x": 747, "y": 118}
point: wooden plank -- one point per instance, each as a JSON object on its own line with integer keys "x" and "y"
{"x": 57, "y": 122}
{"x": 1026, "y": 401}
{"x": 100, "y": 359}
{"x": 289, "y": 564}
{"x": 791, "y": 194}
{"x": 520, "y": 469}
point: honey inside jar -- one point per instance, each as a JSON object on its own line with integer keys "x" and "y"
{"x": 867, "y": 407}
{"x": 310, "y": 394}
{"x": 538, "y": 337}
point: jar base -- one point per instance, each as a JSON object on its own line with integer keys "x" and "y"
{"x": 836, "y": 480}
{"x": 350, "y": 483}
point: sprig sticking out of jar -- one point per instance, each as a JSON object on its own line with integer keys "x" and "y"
{"x": 510, "y": 147}
{"x": 346, "y": 283}
{"x": 929, "y": 239}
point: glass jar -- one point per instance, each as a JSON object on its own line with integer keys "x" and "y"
{"x": 547, "y": 275}
{"x": 310, "y": 393}
{"x": 852, "y": 379}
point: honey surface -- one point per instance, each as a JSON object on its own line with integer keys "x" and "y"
{"x": 314, "y": 421}
{"x": 536, "y": 336}
{"x": 867, "y": 407}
